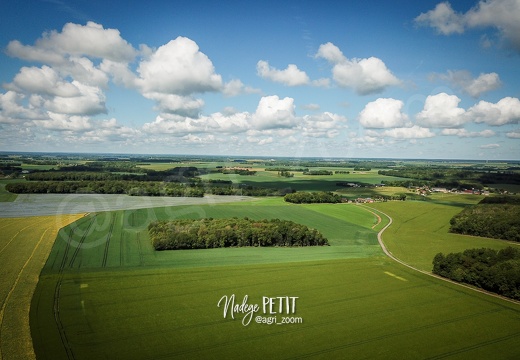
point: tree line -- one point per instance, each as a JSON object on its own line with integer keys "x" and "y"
{"x": 318, "y": 172}
{"x": 455, "y": 177}
{"x": 492, "y": 270}
{"x": 94, "y": 172}
{"x": 286, "y": 168}
{"x": 301, "y": 197}
{"x": 234, "y": 232}
{"x": 140, "y": 188}
{"x": 133, "y": 188}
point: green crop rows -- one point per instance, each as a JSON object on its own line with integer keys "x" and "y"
{"x": 104, "y": 292}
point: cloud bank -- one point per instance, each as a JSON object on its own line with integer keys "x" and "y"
{"x": 501, "y": 15}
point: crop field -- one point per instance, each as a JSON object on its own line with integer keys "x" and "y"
{"x": 25, "y": 244}
{"x": 104, "y": 292}
{"x": 120, "y": 238}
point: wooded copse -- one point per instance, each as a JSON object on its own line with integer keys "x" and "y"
{"x": 234, "y": 232}
{"x": 494, "y": 218}
{"x": 492, "y": 270}
{"x": 301, "y": 197}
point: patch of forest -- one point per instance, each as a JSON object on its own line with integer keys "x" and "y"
{"x": 301, "y": 197}
{"x": 493, "y": 217}
{"x": 234, "y": 232}
{"x": 318, "y": 172}
{"x": 492, "y": 270}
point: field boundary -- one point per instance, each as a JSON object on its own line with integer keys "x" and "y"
{"x": 391, "y": 256}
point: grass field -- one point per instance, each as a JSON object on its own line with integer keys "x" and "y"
{"x": 302, "y": 182}
{"x": 104, "y": 293}
{"x": 421, "y": 230}
{"x": 25, "y": 244}
{"x": 6, "y": 196}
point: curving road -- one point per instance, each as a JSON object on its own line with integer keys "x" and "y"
{"x": 391, "y": 256}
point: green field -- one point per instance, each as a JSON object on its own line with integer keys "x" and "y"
{"x": 300, "y": 182}
{"x": 421, "y": 229}
{"x": 5, "y": 195}
{"x": 271, "y": 179}
{"x": 104, "y": 292}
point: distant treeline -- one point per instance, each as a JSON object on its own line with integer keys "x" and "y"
{"x": 216, "y": 233}
{"x": 286, "y": 168}
{"x": 98, "y": 173}
{"x": 453, "y": 177}
{"x": 359, "y": 168}
{"x": 497, "y": 218}
{"x": 492, "y": 270}
{"x": 317, "y": 172}
{"x": 139, "y": 188}
{"x": 236, "y": 171}
{"x": 134, "y": 188}
{"x": 301, "y": 197}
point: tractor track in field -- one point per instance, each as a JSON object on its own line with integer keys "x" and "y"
{"x": 56, "y": 308}
{"x": 139, "y": 246}
{"x": 121, "y": 258}
{"x": 107, "y": 243}
{"x": 57, "y": 290}
{"x": 391, "y": 256}
{"x": 81, "y": 241}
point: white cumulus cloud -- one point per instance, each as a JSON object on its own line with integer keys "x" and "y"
{"x": 505, "y": 111}
{"x": 44, "y": 80}
{"x": 178, "y": 67}
{"x": 441, "y": 110}
{"x": 176, "y": 104}
{"x": 90, "y": 101}
{"x": 365, "y": 76}
{"x": 324, "y": 125}
{"x": 273, "y": 112}
{"x": 79, "y": 40}
{"x": 12, "y": 109}
{"x": 291, "y": 76}
{"x": 383, "y": 113}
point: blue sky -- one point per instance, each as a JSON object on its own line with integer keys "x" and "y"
{"x": 399, "y": 79}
